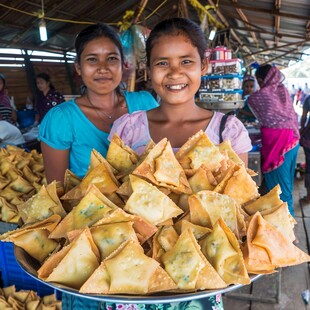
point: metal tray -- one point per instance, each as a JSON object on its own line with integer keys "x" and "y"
{"x": 30, "y": 266}
{"x": 220, "y": 105}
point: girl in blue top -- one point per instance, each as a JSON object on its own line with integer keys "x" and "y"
{"x": 70, "y": 131}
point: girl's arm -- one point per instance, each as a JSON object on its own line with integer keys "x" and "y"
{"x": 14, "y": 116}
{"x": 244, "y": 158}
{"x": 303, "y": 118}
{"x": 55, "y": 163}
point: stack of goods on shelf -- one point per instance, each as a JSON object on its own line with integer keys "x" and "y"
{"x": 221, "y": 87}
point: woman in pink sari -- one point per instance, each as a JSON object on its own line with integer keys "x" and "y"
{"x": 273, "y": 108}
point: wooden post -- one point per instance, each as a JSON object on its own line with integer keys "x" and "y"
{"x": 69, "y": 73}
{"x": 31, "y": 75}
{"x": 183, "y": 9}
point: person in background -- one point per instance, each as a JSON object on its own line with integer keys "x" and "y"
{"x": 72, "y": 129}
{"x": 10, "y": 134}
{"x": 7, "y": 113}
{"x": 176, "y": 62}
{"x": 306, "y": 89}
{"x": 293, "y": 93}
{"x": 305, "y": 143}
{"x": 249, "y": 87}
{"x": 298, "y": 97}
{"x": 47, "y": 97}
{"x": 305, "y": 93}
{"x": 273, "y": 108}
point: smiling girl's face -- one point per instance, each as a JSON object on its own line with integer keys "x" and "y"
{"x": 175, "y": 69}
{"x": 100, "y": 66}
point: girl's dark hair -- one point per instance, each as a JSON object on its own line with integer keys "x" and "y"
{"x": 262, "y": 71}
{"x": 94, "y": 32}
{"x": 47, "y": 78}
{"x": 177, "y": 26}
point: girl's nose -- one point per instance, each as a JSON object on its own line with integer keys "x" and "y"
{"x": 102, "y": 66}
{"x": 175, "y": 70}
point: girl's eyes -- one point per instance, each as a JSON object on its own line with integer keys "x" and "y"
{"x": 166, "y": 63}
{"x": 187, "y": 61}
{"x": 91, "y": 59}
{"x": 110, "y": 59}
{"x": 162, "y": 63}
{"x": 113, "y": 59}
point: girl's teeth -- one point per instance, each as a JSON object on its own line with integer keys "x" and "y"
{"x": 176, "y": 86}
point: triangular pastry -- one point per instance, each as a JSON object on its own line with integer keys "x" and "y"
{"x": 73, "y": 264}
{"x": 161, "y": 168}
{"x": 90, "y": 209}
{"x": 128, "y": 271}
{"x": 187, "y": 266}
{"x": 222, "y": 250}
{"x": 199, "y": 150}
{"x": 150, "y": 203}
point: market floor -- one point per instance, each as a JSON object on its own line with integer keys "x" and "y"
{"x": 284, "y": 289}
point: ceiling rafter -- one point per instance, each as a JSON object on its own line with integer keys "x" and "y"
{"x": 279, "y": 35}
{"x": 277, "y": 21}
{"x": 225, "y": 22}
{"x": 275, "y": 48}
{"x": 245, "y": 20}
{"x": 271, "y": 12}
{"x": 272, "y": 25}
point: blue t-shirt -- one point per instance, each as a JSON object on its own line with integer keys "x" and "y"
{"x": 66, "y": 127}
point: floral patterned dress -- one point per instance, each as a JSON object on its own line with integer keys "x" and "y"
{"x": 78, "y": 303}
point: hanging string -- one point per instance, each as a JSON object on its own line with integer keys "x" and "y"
{"x": 42, "y": 2}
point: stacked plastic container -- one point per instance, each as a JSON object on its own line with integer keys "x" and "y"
{"x": 222, "y": 85}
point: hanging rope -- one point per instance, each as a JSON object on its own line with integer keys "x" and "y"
{"x": 204, "y": 10}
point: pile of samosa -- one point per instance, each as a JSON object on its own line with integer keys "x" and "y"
{"x": 157, "y": 222}
{"x": 10, "y": 299}
{"x": 21, "y": 176}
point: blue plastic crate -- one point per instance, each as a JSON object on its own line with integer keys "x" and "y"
{"x": 13, "y": 274}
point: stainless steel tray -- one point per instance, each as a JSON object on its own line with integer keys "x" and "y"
{"x": 30, "y": 266}
{"x": 221, "y": 105}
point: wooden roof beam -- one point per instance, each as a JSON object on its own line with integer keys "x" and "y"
{"x": 280, "y": 35}
{"x": 281, "y": 56}
{"x": 183, "y": 9}
{"x": 278, "y": 47}
{"x": 277, "y": 21}
{"x": 233, "y": 33}
{"x": 266, "y": 11}
{"x": 245, "y": 19}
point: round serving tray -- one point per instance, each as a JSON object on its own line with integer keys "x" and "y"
{"x": 30, "y": 266}
{"x": 221, "y": 105}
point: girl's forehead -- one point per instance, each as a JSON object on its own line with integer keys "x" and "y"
{"x": 101, "y": 40}
{"x": 176, "y": 36}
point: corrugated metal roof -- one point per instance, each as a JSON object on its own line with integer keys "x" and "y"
{"x": 265, "y": 31}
